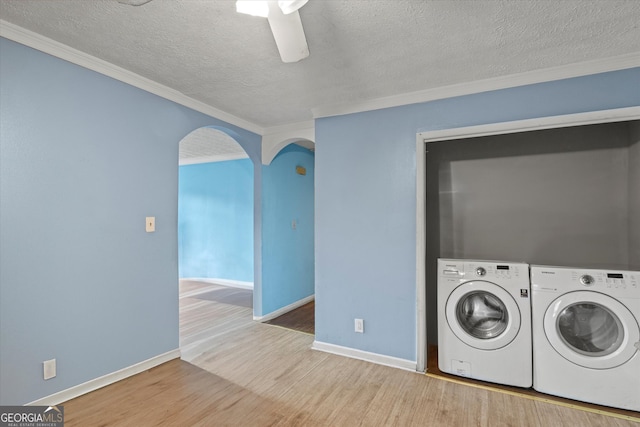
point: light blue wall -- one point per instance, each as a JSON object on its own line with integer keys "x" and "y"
{"x": 215, "y": 220}
{"x": 287, "y": 253}
{"x": 83, "y": 160}
{"x": 366, "y": 196}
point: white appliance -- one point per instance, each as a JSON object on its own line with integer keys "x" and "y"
{"x": 586, "y": 338}
{"x": 484, "y": 323}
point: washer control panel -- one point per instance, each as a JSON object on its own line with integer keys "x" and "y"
{"x": 485, "y": 270}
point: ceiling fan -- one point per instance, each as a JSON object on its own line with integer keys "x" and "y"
{"x": 284, "y": 21}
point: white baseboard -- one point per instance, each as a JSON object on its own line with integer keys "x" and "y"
{"x": 284, "y": 310}
{"x": 105, "y": 380}
{"x": 380, "y": 359}
{"x": 223, "y": 282}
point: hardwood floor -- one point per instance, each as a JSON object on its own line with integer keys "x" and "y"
{"x": 434, "y": 371}
{"x": 237, "y": 372}
{"x": 301, "y": 319}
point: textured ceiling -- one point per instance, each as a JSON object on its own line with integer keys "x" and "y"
{"x": 360, "y": 49}
{"x": 210, "y": 145}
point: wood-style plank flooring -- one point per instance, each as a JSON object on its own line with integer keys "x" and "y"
{"x": 301, "y": 319}
{"x": 434, "y": 371}
{"x": 237, "y": 372}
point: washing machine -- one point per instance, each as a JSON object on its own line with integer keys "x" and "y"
{"x": 586, "y": 338}
{"x": 484, "y": 321}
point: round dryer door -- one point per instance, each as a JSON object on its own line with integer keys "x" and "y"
{"x": 591, "y": 329}
{"x": 483, "y": 315}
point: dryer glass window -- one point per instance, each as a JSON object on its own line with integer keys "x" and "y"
{"x": 482, "y": 315}
{"x": 590, "y": 329}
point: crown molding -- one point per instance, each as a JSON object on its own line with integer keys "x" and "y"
{"x": 62, "y": 51}
{"x": 530, "y": 77}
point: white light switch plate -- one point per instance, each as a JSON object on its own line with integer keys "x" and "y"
{"x": 151, "y": 224}
{"x": 49, "y": 369}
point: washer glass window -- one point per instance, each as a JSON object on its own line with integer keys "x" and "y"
{"x": 482, "y": 315}
{"x": 590, "y": 329}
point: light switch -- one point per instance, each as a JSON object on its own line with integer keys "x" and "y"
{"x": 151, "y": 224}
{"x": 49, "y": 368}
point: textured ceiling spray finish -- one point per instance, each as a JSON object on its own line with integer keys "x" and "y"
{"x": 207, "y": 142}
{"x": 360, "y": 49}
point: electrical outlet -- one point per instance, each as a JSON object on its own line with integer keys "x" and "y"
{"x": 359, "y": 326}
{"x": 49, "y": 369}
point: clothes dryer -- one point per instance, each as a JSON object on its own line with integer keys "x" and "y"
{"x": 484, "y": 324}
{"x": 586, "y": 334}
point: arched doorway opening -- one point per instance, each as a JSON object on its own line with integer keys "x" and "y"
{"x": 288, "y": 230}
{"x": 215, "y": 228}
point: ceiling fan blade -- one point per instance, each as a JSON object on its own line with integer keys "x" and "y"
{"x": 289, "y": 35}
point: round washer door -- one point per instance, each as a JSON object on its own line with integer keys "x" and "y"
{"x": 483, "y": 315}
{"x": 591, "y": 329}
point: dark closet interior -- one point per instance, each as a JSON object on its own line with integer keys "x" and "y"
{"x": 565, "y": 197}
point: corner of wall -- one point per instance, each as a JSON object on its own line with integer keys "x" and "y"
{"x": 634, "y": 194}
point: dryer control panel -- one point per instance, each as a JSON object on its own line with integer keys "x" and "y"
{"x": 610, "y": 282}
{"x": 607, "y": 279}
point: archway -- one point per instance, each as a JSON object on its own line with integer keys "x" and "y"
{"x": 215, "y": 222}
{"x": 288, "y": 261}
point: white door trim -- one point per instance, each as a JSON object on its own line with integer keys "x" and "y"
{"x": 423, "y": 138}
